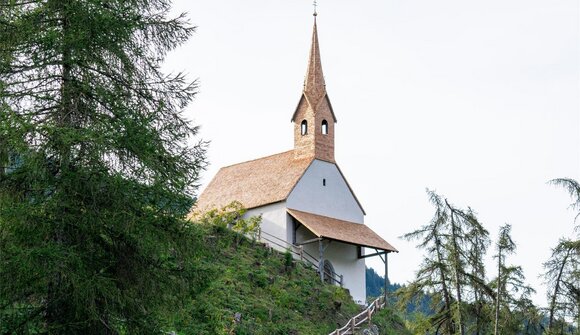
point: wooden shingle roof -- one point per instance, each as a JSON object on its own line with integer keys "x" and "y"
{"x": 340, "y": 230}
{"x": 254, "y": 183}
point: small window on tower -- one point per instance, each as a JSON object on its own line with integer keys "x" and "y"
{"x": 324, "y": 127}
{"x": 323, "y": 181}
{"x": 304, "y": 127}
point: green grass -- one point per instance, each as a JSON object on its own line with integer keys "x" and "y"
{"x": 389, "y": 322}
{"x": 271, "y": 294}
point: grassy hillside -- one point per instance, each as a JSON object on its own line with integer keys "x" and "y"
{"x": 242, "y": 287}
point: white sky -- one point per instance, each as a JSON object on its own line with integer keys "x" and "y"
{"x": 478, "y": 100}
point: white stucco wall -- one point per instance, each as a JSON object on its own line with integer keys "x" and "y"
{"x": 343, "y": 258}
{"x": 333, "y": 200}
{"x": 275, "y": 221}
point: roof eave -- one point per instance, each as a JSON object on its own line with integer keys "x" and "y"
{"x": 390, "y": 248}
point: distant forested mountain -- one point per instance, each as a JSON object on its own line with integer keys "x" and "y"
{"x": 376, "y": 284}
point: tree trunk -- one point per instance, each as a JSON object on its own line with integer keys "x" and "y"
{"x": 444, "y": 288}
{"x": 557, "y": 290}
{"x": 456, "y": 270}
{"x": 498, "y": 296}
{"x": 55, "y": 310}
{"x": 477, "y": 313}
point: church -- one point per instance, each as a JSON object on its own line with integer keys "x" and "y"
{"x": 302, "y": 195}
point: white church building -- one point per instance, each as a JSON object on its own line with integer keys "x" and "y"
{"x": 303, "y": 197}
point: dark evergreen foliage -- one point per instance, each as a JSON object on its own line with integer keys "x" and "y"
{"x": 97, "y": 172}
{"x": 375, "y": 287}
{"x": 376, "y": 284}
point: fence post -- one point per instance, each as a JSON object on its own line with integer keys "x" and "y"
{"x": 341, "y": 279}
{"x": 259, "y": 234}
{"x": 352, "y": 325}
{"x": 301, "y": 251}
{"x": 321, "y": 260}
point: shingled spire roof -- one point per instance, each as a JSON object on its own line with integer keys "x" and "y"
{"x": 314, "y": 85}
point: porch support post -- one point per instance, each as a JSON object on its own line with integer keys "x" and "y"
{"x": 321, "y": 260}
{"x": 386, "y": 260}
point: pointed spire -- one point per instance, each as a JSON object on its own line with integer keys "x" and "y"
{"x": 314, "y": 86}
{"x": 313, "y": 118}
{"x": 314, "y": 90}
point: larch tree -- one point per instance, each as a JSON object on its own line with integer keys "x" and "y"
{"x": 563, "y": 280}
{"x": 563, "y": 268}
{"x": 512, "y": 305}
{"x": 433, "y": 274}
{"x": 447, "y": 240}
{"x": 478, "y": 242}
{"x": 504, "y": 246}
{"x": 98, "y": 166}
{"x": 465, "y": 232}
{"x": 573, "y": 188}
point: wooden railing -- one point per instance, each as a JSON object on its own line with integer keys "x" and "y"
{"x": 362, "y": 317}
{"x": 299, "y": 253}
{"x": 310, "y": 260}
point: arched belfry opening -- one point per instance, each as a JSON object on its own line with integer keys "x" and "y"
{"x": 324, "y": 127}
{"x": 304, "y": 127}
{"x": 314, "y": 106}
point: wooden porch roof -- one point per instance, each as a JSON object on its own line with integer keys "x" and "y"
{"x": 343, "y": 231}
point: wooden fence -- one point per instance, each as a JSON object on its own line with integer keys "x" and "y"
{"x": 361, "y": 318}
{"x": 301, "y": 254}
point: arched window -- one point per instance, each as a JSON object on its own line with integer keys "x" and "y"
{"x": 304, "y": 127}
{"x": 329, "y": 274}
{"x": 324, "y": 127}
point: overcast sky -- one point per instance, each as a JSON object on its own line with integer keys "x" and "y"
{"x": 478, "y": 100}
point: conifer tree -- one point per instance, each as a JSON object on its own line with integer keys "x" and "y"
{"x": 448, "y": 240}
{"x": 505, "y": 246}
{"x": 563, "y": 278}
{"x": 573, "y": 188}
{"x": 433, "y": 274}
{"x": 512, "y": 303}
{"x": 563, "y": 268}
{"x": 97, "y": 169}
{"x": 475, "y": 273}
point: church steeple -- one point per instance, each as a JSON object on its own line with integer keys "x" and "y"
{"x": 314, "y": 119}
{"x": 314, "y": 86}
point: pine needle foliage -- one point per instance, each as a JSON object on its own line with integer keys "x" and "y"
{"x": 573, "y": 188}
{"x": 513, "y": 296}
{"x": 562, "y": 274}
{"x": 562, "y": 277}
{"x": 96, "y": 173}
{"x": 452, "y": 270}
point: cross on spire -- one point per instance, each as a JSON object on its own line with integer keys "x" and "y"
{"x": 315, "y": 4}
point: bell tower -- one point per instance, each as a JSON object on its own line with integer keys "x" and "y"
{"x": 314, "y": 118}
